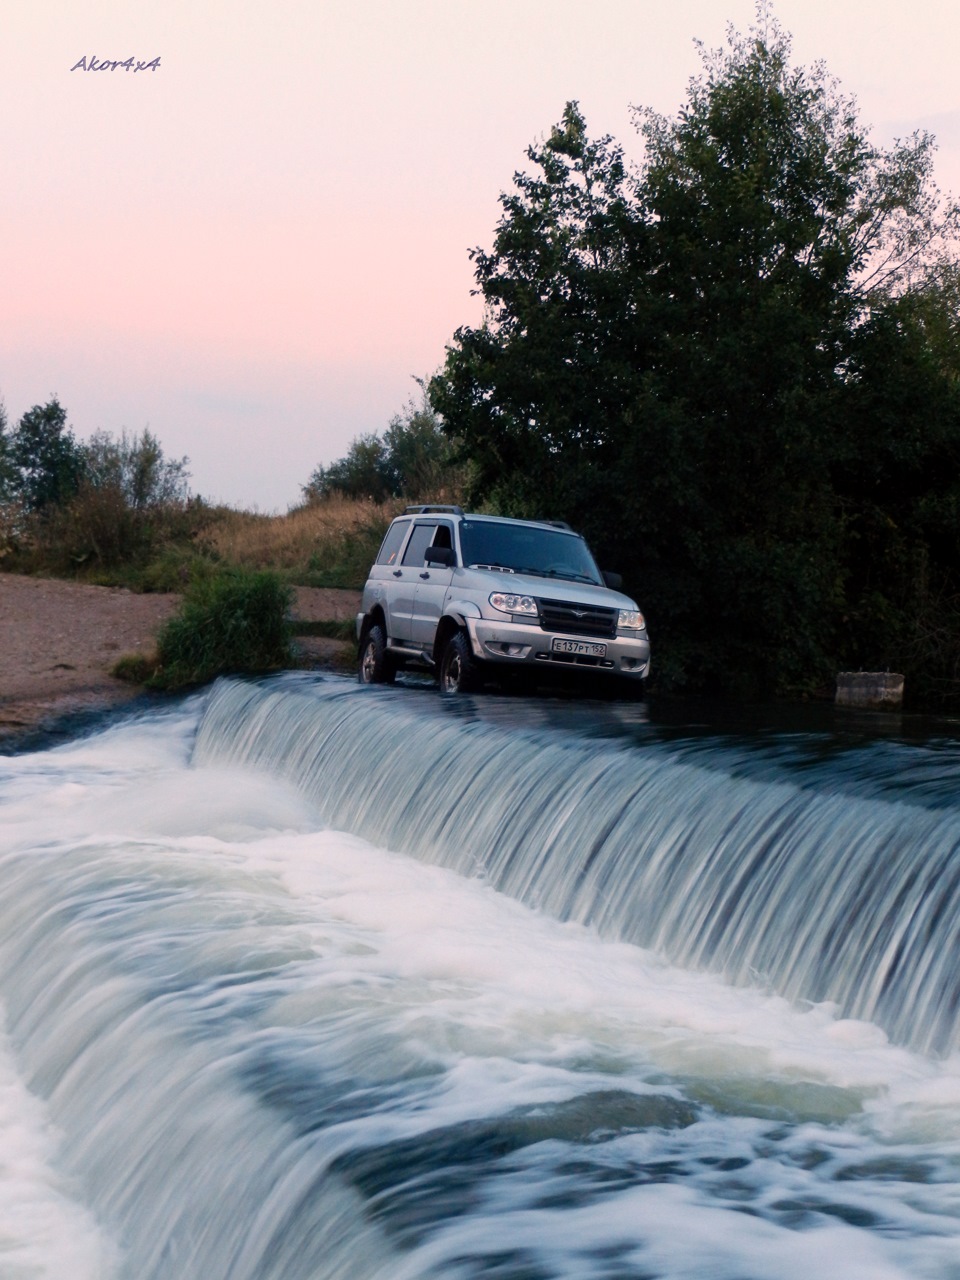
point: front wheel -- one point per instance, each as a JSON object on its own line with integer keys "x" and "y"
{"x": 459, "y": 670}
{"x": 376, "y": 665}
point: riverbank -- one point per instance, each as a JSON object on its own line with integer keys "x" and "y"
{"x": 59, "y": 641}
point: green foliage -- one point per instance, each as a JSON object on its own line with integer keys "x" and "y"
{"x": 134, "y": 467}
{"x": 363, "y": 473}
{"x": 8, "y": 471}
{"x": 175, "y": 568}
{"x": 233, "y": 622}
{"x": 342, "y": 557}
{"x": 109, "y": 504}
{"x": 95, "y": 528}
{"x": 735, "y": 369}
{"x": 413, "y": 458}
{"x": 46, "y": 458}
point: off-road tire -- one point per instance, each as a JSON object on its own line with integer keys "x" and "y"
{"x": 459, "y": 669}
{"x": 375, "y": 666}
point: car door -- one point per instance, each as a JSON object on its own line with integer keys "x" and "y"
{"x": 385, "y": 584}
{"x": 405, "y": 578}
{"x": 433, "y": 582}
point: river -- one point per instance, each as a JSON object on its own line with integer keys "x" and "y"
{"x": 306, "y": 981}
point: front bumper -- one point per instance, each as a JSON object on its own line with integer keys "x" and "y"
{"x": 529, "y": 645}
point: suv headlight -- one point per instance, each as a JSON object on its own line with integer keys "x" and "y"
{"x": 630, "y": 620}
{"x": 508, "y": 603}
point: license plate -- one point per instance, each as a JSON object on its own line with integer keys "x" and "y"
{"x": 583, "y": 647}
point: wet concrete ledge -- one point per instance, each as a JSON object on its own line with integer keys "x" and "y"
{"x": 879, "y": 690}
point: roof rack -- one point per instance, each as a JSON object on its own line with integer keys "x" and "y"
{"x": 427, "y": 508}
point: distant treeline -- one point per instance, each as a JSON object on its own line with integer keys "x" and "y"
{"x": 67, "y": 505}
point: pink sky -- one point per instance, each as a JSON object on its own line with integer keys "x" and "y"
{"x": 254, "y": 249}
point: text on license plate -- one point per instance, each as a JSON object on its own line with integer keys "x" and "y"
{"x": 581, "y": 647}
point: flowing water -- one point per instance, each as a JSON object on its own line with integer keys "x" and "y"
{"x": 306, "y": 981}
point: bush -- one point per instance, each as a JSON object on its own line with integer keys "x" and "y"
{"x": 235, "y": 622}
{"x": 175, "y": 568}
{"x": 13, "y": 529}
{"x": 95, "y": 529}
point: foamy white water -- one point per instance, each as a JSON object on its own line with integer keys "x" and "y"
{"x": 242, "y": 1045}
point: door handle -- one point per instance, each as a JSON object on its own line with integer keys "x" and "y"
{"x": 424, "y": 575}
{"x": 397, "y": 573}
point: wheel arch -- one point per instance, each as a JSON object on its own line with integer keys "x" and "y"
{"x": 447, "y": 628}
{"x": 375, "y": 618}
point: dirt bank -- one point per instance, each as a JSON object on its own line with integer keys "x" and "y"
{"x": 58, "y": 641}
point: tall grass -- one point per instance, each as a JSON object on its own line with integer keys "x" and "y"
{"x": 327, "y": 544}
{"x": 235, "y": 621}
{"x": 98, "y": 539}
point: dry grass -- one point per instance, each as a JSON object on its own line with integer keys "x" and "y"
{"x": 330, "y": 544}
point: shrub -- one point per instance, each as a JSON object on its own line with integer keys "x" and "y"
{"x": 235, "y": 622}
{"x": 13, "y": 529}
{"x": 96, "y": 528}
{"x": 177, "y": 567}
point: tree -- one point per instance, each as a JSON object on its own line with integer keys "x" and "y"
{"x": 413, "y": 458}
{"x": 135, "y": 466}
{"x": 421, "y": 460}
{"x": 675, "y": 357}
{"x": 129, "y": 500}
{"x": 47, "y": 458}
{"x": 363, "y": 473}
{"x": 8, "y": 471}
{"x": 538, "y": 392}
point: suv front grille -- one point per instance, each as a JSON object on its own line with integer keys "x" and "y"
{"x": 578, "y": 619}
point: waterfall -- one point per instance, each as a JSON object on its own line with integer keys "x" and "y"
{"x": 817, "y": 891}
{"x": 306, "y": 981}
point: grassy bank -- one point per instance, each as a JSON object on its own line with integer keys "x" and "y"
{"x": 327, "y": 544}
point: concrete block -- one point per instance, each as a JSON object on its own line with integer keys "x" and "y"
{"x": 880, "y": 689}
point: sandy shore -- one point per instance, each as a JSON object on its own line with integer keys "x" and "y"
{"x": 58, "y": 641}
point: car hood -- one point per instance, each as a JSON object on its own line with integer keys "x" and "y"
{"x": 531, "y": 584}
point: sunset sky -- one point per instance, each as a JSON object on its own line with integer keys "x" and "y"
{"x": 255, "y": 248}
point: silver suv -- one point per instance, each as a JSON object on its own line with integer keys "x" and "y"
{"x": 473, "y": 597}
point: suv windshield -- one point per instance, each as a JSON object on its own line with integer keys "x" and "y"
{"x": 525, "y": 548}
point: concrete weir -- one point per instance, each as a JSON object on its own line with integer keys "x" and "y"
{"x": 882, "y": 690}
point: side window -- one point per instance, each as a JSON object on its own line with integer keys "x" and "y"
{"x": 392, "y": 543}
{"x": 420, "y": 539}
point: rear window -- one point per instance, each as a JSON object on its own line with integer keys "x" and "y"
{"x": 390, "y": 548}
{"x": 429, "y": 534}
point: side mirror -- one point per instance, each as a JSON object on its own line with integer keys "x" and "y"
{"x": 441, "y": 555}
{"x": 613, "y": 580}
